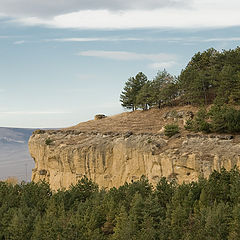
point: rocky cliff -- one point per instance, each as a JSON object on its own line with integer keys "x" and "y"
{"x": 110, "y": 159}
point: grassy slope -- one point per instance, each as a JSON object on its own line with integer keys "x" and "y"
{"x": 150, "y": 121}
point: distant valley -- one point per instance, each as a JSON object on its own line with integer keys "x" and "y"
{"x": 15, "y": 160}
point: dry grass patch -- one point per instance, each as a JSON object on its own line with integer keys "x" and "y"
{"x": 150, "y": 121}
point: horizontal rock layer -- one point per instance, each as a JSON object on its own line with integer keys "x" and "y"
{"x": 110, "y": 159}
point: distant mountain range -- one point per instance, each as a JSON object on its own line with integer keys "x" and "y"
{"x": 15, "y": 160}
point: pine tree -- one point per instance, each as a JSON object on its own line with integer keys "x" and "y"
{"x": 147, "y": 230}
{"x": 234, "y": 232}
{"x": 217, "y": 221}
{"x": 144, "y": 97}
{"x": 128, "y": 97}
{"x": 225, "y": 84}
{"x": 197, "y": 80}
{"x": 125, "y": 227}
{"x": 164, "y": 88}
{"x": 18, "y": 228}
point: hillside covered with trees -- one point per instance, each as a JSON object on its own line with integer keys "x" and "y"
{"x": 207, "y": 209}
{"x": 210, "y": 78}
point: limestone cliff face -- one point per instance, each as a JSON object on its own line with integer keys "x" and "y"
{"x": 110, "y": 159}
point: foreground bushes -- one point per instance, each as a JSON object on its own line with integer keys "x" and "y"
{"x": 207, "y": 209}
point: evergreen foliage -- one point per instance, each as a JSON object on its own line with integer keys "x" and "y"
{"x": 132, "y": 88}
{"x": 48, "y": 141}
{"x": 209, "y": 77}
{"x": 171, "y": 129}
{"x": 207, "y": 209}
{"x": 219, "y": 119}
{"x": 144, "y": 94}
{"x": 164, "y": 88}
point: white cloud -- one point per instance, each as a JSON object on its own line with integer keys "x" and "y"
{"x": 185, "y": 40}
{"x": 196, "y": 17}
{"x": 97, "y": 39}
{"x": 123, "y": 14}
{"x": 231, "y": 39}
{"x": 46, "y": 8}
{"x": 19, "y": 42}
{"x": 121, "y": 55}
{"x": 160, "y": 60}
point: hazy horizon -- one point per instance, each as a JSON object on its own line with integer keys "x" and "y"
{"x": 15, "y": 160}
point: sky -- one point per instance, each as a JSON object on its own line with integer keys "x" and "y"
{"x": 64, "y": 61}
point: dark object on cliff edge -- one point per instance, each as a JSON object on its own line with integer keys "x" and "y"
{"x": 99, "y": 116}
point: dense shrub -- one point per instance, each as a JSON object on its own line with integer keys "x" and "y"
{"x": 199, "y": 123}
{"x": 225, "y": 119}
{"x": 48, "y": 141}
{"x": 219, "y": 119}
{"x": 171, "y": 129}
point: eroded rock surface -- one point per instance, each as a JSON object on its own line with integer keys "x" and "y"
{"x": 110, "y": 159}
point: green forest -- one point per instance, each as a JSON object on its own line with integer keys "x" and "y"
{"x": 207, "y": 209}
{"x": 210, "y": 78}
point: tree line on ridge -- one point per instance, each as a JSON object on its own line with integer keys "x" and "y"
{"x": 209, "y": 77}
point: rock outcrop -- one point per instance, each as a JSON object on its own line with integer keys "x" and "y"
{"x": 112, "y": 158}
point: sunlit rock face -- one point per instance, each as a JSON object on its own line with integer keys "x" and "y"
{"x": 110, "y": 159}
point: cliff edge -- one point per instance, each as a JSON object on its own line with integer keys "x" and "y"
{"x": 122, "y": 148}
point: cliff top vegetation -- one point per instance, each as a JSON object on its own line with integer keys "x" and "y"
{"x": 209, "y": 84}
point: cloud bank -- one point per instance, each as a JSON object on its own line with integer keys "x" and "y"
{"x": 123, "y": 14}
{"x": 46, "y": 8}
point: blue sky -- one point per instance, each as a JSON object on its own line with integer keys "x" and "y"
{"x": 62, "y": 62}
